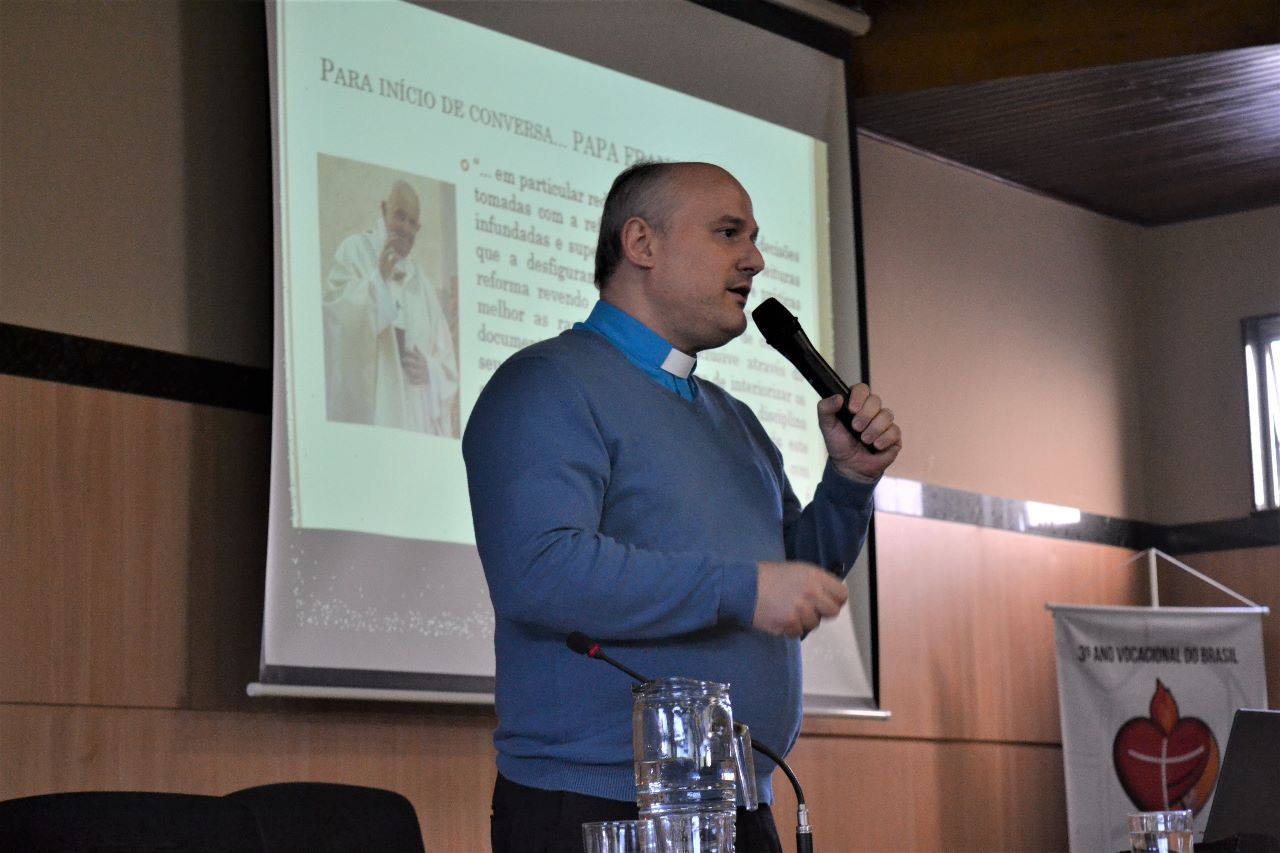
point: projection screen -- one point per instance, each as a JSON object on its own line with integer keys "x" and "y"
{"x": 499, "y": 127}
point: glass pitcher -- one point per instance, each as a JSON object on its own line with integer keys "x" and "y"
{"x": 689, "y": 755}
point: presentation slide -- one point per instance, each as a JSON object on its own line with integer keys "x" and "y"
{"x": 506, "y": 177}
{"x": 440, "y": 188}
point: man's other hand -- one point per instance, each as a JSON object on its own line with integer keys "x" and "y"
{"x": 881, "y": 442}
{"x": 415, "y": 366}
{"x": 792, "y": 598}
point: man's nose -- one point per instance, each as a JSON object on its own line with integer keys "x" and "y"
{"x": 753, "y": 261}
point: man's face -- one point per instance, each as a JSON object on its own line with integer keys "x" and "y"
{"x": 704, "y": 261}
{"x": 400, "y": 212}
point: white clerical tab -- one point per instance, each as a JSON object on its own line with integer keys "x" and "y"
{"x": 678, "y": 364}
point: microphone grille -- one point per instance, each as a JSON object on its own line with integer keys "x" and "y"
{"x": 579, "y": 642}
{"x": 773, "y": 320}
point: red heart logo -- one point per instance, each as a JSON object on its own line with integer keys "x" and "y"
{"x": 1164, "y": 761}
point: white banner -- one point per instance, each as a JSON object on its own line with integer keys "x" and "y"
{"x": 1147, "y": 696}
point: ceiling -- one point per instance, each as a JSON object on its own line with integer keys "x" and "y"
{"x": 1151, "y": 112}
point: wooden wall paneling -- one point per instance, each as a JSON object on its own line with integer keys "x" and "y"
{"x": 894, "y": 795}
{"x": 1252, "y": 572}
{"x": 966, "y": 645}
{"x": 133, "y": 548}
{"x": 132, "y": 543}
{"x": 866, "y": 794}
{"x": 93, "y": 545}
{"x": 442, "y": 763}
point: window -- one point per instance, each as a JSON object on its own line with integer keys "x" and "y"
{"x": 1262, "y": 360}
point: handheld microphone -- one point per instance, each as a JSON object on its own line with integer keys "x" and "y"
{"x": 580, "y": 643}
{"x": 782, "y": 331}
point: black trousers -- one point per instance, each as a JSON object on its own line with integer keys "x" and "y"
{"x": 531, "y": 820}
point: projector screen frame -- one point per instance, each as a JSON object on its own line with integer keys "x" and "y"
{"x": 822, "y": 37}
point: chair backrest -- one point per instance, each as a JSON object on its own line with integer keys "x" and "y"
{"x": 136, "y": 821}
{"x": 323, "y": 817}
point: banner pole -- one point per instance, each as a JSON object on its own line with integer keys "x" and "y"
{"x": 1151, "y": 571}
{"x": 1153, "y": 553}
{"x": 1213, "y": 583}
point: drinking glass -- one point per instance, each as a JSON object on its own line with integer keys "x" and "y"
{"x": 688, "y": 832}
{"x": 1161, "y": 832}
{"x": 615, "y": 836}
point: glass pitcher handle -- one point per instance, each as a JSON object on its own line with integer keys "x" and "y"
{"x": 745, "y": 762}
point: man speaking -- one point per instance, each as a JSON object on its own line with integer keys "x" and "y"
{"x": 616, "y": 494}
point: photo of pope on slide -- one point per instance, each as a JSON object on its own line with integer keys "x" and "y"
{"x": 390, "y": 282}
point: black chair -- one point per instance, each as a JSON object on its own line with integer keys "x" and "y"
{"x": 323, "y": 817}
{"x": 135, "y": 821}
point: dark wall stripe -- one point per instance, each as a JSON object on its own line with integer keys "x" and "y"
{"x": 909, "y": 497}
{"x": 72, "y": 360}
{"x": 55, "y": 357}
{"x": 1258, "y": 530}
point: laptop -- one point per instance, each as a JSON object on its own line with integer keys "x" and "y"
{"x": 1247, "y": 798}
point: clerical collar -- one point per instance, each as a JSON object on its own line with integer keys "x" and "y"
{"x": 644, "y": 348}
{"x": 678, "y": 363}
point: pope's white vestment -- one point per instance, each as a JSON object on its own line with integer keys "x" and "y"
{"x": 363, "y": 315}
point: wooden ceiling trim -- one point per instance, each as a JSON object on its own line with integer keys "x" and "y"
{"x": 924, "y": 44}
{"x": 1150, "y": 142}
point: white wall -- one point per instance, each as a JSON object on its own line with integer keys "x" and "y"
{"x": 1202, "y": 279}
{"x": 999, "y": 334}
{"x": 135, "y": 206}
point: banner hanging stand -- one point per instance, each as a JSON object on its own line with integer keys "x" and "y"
{"x": 1153, "y": 553}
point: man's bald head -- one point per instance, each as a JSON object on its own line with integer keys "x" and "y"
{"x": 400, "y": 211}
{"x": 646, "y": 190}
{"x": 677, "y": 252}
{"x": 402, "y": 192}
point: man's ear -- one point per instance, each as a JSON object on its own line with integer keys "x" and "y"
{"x": 639, "y": 243}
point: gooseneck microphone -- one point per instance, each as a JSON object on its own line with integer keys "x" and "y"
{"x": 782, "y": 331}
{"x": 580, "y": 643}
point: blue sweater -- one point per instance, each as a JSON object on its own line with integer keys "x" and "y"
{"x": 608, "y": 504}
